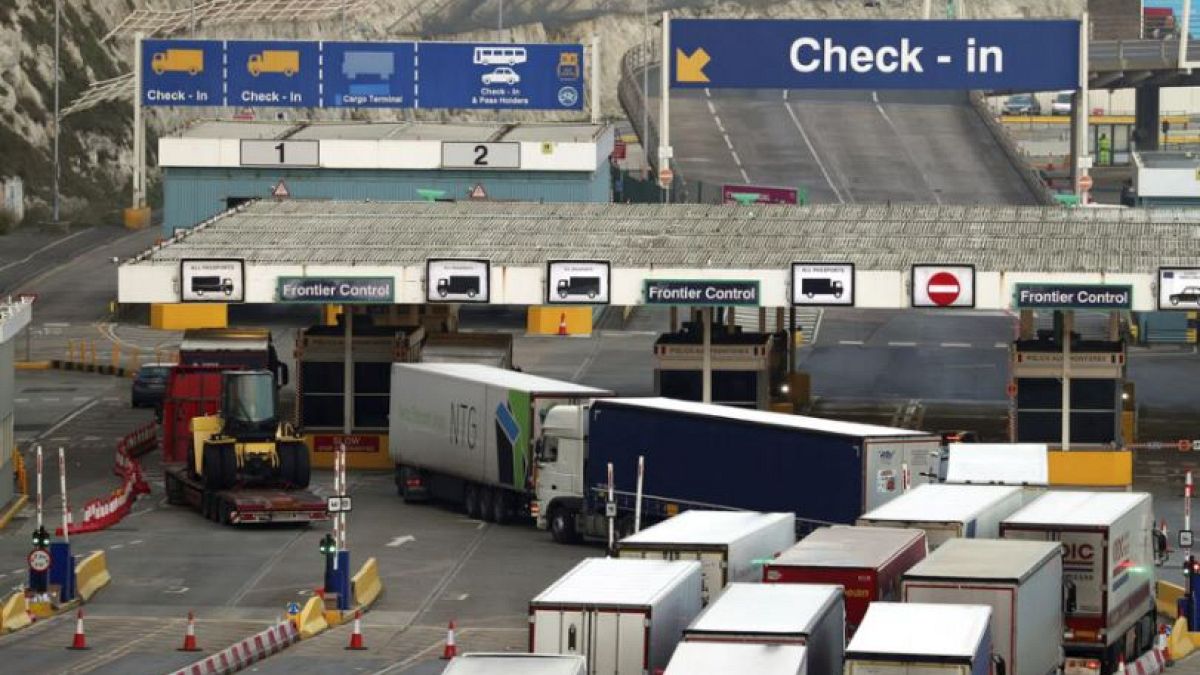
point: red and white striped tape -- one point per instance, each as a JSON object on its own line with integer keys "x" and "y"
{"x": 1151, "y": 663}
{"x": 254, "y": 648}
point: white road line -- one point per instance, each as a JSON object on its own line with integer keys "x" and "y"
{"x": 961, "y": 345}
{"x": 720, "y": 125}
{"x": 736, "y": 160}
{"x": 820, "y": 165}
{"x": 850, "y": 342}
{"x": 116, "y": 546}
{"x": 135, "y": 542}
{"x": 464, "y": 596}
{"x": 902, "y": 344}
{"x": 745, "y": 176}
{"x": 1001, "y": 345}
{"x": 711, "y": 108}
{"x": 47, "y": 247}
{"x": 50, "y": 399}
{"x": 727, "y": 141}
{"x": 900, "y": 139}
{"x": 400, "y": 541}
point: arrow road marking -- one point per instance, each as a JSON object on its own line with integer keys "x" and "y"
{"x": 400, "y": 541}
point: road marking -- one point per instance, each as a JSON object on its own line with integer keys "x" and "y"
{"x": 711, "y": 108}
{"x": 1001, "y": 345}
{"x": 736, "y": 160}
{"x": 263, "y": 570}
{"x": 64, "y": 421}
{"x": 720, "y": 124}
{"x": 50, "y": 399}
{"x": 727, "y": 141}
{"x": 464, "y": 596}
{"x": 80, "y": 399}
{"x": 116, "y": 546}
{"x": 900, "y": 139}
{"x": 961, "y": 345}
{"x": 902, "y": 344}
{"x": 135, "y": 542}
{"x": 47, "y": 247}
{"x": 177, "y": 590}
{"x": 820, "y": 165}
{"x": 850, "y": 342}
{"x": 400, "y": 541}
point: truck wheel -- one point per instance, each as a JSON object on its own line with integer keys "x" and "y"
{"x": 501, "y": 507}
{"x": 487, "y": 504}
{"x": 302, "y": 466}
{"x": 212, "y": 467}
{"x": 471, "y": 501}
{"x": 562, "y": 526}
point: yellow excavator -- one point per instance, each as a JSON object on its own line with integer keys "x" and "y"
{"x": 246, "y": 443}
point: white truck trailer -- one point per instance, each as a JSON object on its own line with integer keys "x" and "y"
{"x": 516, "y": 664}
{"x": 624, "y": 616}
{"x": 921, "y": 639}
{"x": 948, "y": 512}
{"x": 1020, "y": 580}
{"x": 727, "y": 543}
{"x": 1108, "y": 570}
{"x": 466, "y": 433}
{"x": 1023, "y": 464}
{"x": 724, "y": 658}
{"x": 813, "y": 615}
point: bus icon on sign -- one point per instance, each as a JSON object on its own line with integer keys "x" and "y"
{"x": 500, "y": 56}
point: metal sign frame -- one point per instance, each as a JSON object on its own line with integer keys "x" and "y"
{"x": 553, "y": 298}
{"x": 238, "y": 284}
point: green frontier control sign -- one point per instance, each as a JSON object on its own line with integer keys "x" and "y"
{"x": 696, "y": 293}
{"x": 1072, "y": 296}
{"x": 354, "y": 290}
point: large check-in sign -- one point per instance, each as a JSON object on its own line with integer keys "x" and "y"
{"x": 796, "y": 54}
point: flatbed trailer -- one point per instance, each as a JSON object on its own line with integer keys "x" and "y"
{"x": 240, "y": 506}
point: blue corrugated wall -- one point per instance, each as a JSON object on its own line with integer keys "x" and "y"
{"x": 191, "y": 195}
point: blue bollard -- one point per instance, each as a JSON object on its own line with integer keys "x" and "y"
{"x": 62, "y": 570}
{"x": 341, "y": 580}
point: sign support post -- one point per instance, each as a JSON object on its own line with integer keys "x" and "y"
{"x": 596, "y": 79}
{"x": 1079, "y": 146}
{"x": 348, "y": 371}
{"x": 706, "y": 358}
{"x": 664, "y": 110}
{"x": 1068, "y": 317}
{"x": 139, "y": 127}
{"x": 1184, "y": 30}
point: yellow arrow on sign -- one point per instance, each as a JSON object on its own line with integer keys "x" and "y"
{"x": 691, "y": 68}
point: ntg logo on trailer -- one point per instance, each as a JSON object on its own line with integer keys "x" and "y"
{"x": 767, "y": 54}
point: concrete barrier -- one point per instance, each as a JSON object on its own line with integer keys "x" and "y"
{"x": 91, "y": 574}
{"x": 1167, "y": 598}
{"x": 1180, "y": 643}
{"x": 311, "y": 619}
{"x": 242, "y": 654}
{"x": 366, "y": 584}
{"x": 1091, "y": 468}
{"x": 14, "y": 613}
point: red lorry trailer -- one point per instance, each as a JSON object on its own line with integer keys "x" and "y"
{"x": 867, "y": 561}
{"x": 194, "y": 391}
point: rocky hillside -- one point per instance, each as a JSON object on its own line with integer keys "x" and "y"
{"x": 96, "y": 142}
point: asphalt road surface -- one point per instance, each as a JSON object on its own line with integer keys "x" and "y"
{"x": 871, "y": 147}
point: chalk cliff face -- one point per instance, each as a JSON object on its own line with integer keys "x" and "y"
{"x": 96, "y": 143}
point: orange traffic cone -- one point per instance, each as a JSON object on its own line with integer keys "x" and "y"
{"x": 189, "y": 636}
{"x": 562, "y": 324}
{"x": 451, "y": 649}
{"x": 356, "y": 638}
{"x": 80, "y": 641}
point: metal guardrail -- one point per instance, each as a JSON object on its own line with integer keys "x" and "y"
{"x": 1028, "y": 174}
{"x": 629, "y": 93}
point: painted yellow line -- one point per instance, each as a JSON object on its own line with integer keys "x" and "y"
{"x": 33, "y": 365}
{"x": 12, "y": 510}
{"x": 1093, "y": 119}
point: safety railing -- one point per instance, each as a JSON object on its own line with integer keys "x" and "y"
{"x": 1028, "y": 174}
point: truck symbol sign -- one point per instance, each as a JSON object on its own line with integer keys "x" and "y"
{"x": 285, "y": 61}
{"x": 205, "y": 285}
{"x": 589, "y": 286}
{"x": 458, "y": 285}
{"x": 821, "y": 286}
{"x": 377, "y": 64}
{"x": 190, "y": 61}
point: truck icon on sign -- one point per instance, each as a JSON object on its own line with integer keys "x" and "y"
{"x": 377, "y": 64}
{"x": 589, "y": 286}
{"x": 285, "y": 61}
{"x": 821, "y": 286}
{"x": 190, "y": 61}
{"x": 206, "y": 285}
{"x": 458, "y": 285}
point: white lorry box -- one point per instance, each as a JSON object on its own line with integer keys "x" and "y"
{"x": 1108, "y": 568}
{"x": 717, "y": 658}
{"x": 624, "y": 616}
{"x": 727, "y": 543}
{"x": 1020, "y": 580}
{"x": 1024, "y": 464}
{"x": 948, "y": 512}
{"x": 516, "y": 664}
{"x": 921, "y": 639}
{"x": 813, "y": 615}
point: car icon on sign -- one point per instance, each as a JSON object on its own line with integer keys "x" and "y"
{"x": 1188, "y": 294}
{"x": 501, "y": 75}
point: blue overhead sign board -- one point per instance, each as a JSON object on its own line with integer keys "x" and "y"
{"x": 500, "y": 76}
{"x": 1013, "y": 55}
{"x": 277, "y": 73}
{"x": 368, "y": 74}
{"x": 182, "y": 72}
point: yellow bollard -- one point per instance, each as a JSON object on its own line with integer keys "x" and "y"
{"x": 135, "y": 359}
{"x": 92, "y": 353}
{"x": 116, "y": 354}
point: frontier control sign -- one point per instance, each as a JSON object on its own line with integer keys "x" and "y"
{"x": 846, "y": 54}
{"x": 1072, "y": 296}
{"x": 720, "y": 293}
{"x": 353, "y": 290}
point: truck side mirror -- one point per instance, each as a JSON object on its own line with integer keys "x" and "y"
{"x": 283, "y": 374}
{"x": 1001, "y": 668}
{"x": 1160, "y": 546}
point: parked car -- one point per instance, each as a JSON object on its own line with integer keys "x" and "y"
{"x": 149, "y": 385}
{"x": 1062, "y": 103}
{"x": 501, "y": 75}
{"x": 1022, "y": 104}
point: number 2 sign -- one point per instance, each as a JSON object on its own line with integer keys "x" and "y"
{"x": 467, "y": 155}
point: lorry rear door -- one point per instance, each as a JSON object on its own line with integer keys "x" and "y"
{"x": 612, "y": 641}
{"x": 1084, "y": 555}
{"x": 714, "y": 568}
{"x": 1002, "y": 600}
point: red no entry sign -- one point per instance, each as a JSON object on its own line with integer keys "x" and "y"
{"x": 943, "y": 289}
{"x": 39, "y": 560}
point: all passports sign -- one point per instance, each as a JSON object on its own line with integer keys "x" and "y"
{"x": 797, "y": 54}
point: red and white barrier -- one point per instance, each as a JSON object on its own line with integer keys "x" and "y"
{"x": 104, "y": 512}
{"x": 1151, "y": 663}
{"x": 254, "y": 648}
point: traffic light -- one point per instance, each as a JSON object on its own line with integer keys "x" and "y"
{"x": 328, "y": 547}
{"x": 41, "y": 538}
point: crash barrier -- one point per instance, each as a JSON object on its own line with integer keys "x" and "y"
{"x": 1150, "y": 663}
{"x": 366, "y": 584}
{"x": 1091, "y": 468}
{"x": 1167, "y": 597}
{"x": 1029, "y": 175}
{"x": 1180, "y": 643}
{"x": 104, "y": 512}
{"x": 242, "y": 654}
{"x": 91, "y": 574}
{"x": 14, "y": 613}
{"x": 311, "y": 619}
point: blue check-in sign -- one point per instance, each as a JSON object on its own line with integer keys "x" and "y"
{"x": 368, "y": 74}
{"x": 182, "y": 72}
{"x": 500, "y": 76}
{"x": 283, "y": 74}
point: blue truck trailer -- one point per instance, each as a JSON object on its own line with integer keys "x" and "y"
{"x": 709, "y": 456}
